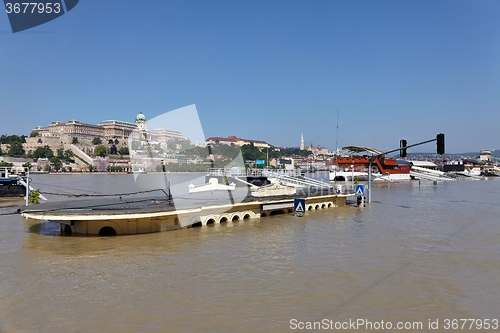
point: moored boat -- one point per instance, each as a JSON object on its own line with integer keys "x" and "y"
{"x": 10, "y": 185}
{"x": 383, "y": 168}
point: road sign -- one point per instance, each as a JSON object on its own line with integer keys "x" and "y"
{"x": 299, "y": 205}
{"x": 259, "y": 162}
{"x": 359, "y": 190}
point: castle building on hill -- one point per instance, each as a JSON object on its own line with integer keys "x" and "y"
{"x": 60, "y": 134}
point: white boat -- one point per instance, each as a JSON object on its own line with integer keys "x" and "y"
{"x": 475, "y": 172}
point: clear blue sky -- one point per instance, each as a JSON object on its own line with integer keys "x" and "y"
{"x": 267, "y": 70}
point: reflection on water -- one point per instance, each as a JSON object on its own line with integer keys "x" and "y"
{"x": 46, "y": 228}
{"x": 416, "y": 253}
{"x": 11, "y": 202}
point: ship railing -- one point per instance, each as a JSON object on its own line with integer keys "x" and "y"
{"x": 429, "y": 176}
{"x": 238, "y": 171}
{"x": 283, "y": 172}
{"x": 297, "y": 180}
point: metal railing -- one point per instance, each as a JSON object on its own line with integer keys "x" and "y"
{"x": 297, "y": 180}
{"x": 237, "y": 171}
{"x": 287, "y": 177}
{"x": 429, "y": 176}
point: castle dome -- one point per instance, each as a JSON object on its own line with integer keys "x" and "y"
{"x": 140, "y": 116}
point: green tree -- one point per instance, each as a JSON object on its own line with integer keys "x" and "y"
{"x": 43, "y": 152}
{"x": 185, "y": 144}
{"x": 251, "y": 153}
{"x": 57, "y": 163}
{"x": 75, "y": 140}
{"x": 150, "y": 151}
{"x": 197, "y": 151}
{"x": 34, "y": 134}
{"x": 171, "y": 146}
{"x": 34, "y": 195}
{"x": 294, "y": 151}
{"x": 8, "y": 139}
{"x": 123, "y": 151}
{"x": 16, "y": 149}
{"x": 97, "y": 141}
{"x": 27, "y": 165}
{"x": 39, "y": 140}
{"x": 68, "y": 156}
{"x": 101, "y": 151}
{"x": 136, "y": 145}
{"x": 1, "y": 153}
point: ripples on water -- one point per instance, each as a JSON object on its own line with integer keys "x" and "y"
{"x": 416, "y": 253}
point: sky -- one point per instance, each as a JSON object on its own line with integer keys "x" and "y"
{"x": 266, "y": 70}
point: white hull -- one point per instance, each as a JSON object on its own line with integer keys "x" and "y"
{"x": 393, "y": 176}
{"x": 364, "y": 176}
{"x": 348, "y": 175}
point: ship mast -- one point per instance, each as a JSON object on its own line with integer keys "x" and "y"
{"x": 337, "y": 137}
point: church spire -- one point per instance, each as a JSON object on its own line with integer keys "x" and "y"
{"x": 302, "y": 142}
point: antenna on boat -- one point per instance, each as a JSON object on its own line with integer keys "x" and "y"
{"x": 337, "y": 136}
{"x": 335, "y": 153}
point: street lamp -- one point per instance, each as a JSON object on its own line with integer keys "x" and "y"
{"x": 352, "y": 175}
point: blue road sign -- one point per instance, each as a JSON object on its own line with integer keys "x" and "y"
{"x": 359, "y": 190}
{"x": 299, "y": 205}
{"x": 258, "y": 162}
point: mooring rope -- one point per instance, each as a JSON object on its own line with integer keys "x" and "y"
{"x": 105, "y": 195}
{"x": 93, "y": 206}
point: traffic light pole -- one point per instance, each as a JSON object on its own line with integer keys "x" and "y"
{"x": 373, "y": 157}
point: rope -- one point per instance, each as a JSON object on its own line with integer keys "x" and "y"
{"x": 56, "y": 186}
{"x": 17, "y": 212}
{"x": 103, "y": 195}
{"x": 94, "y": 206}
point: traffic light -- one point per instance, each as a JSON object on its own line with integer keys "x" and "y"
{"x": 402, "y": 146}
{"x": 440, "y": 144}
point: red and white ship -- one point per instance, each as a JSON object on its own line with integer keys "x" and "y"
{"x": 383, "y": 168}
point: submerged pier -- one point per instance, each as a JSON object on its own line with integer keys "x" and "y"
{"x": 156, "y": 214}
{"x": 219, "y": 200}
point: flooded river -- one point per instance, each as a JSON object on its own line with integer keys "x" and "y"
{"x": 419, "y": 253}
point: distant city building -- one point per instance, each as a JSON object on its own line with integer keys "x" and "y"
{"x": 236, "y": 141}
{"x": 311, "y": 163}
{"x": 313, "y": 149}
{"x": 286, "y": 163}
{"x": 485, "y": 155}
